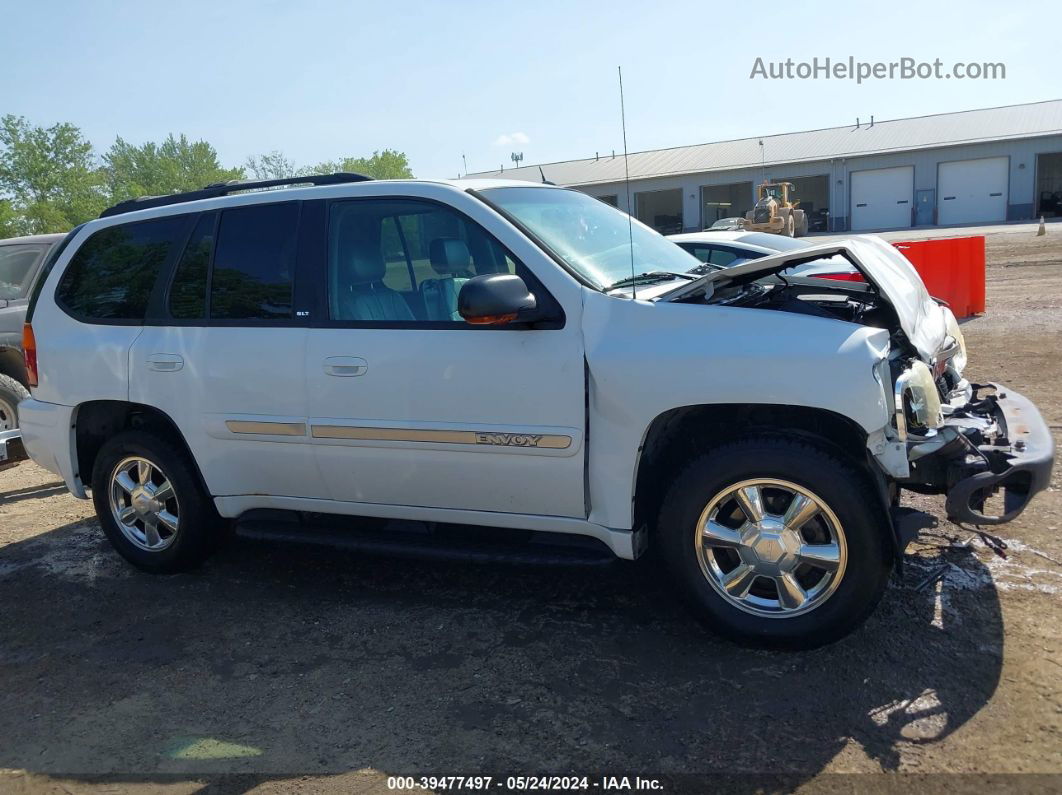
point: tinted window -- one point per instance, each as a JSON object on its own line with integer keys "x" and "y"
{"x": 111, "y": 276}
{"x": 405, "y": 261}
{"x": 189, "y": 289}
{"x": 16, "y": 267}
{"x": 254, "y": 264}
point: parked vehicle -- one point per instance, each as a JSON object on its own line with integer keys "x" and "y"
{"x": 725, "y": 250}
{"x": 480, "y": 353}
{"x": 20, "y": 263}
{"x": 727, "y": 225}
{"x": 777, "y": 211}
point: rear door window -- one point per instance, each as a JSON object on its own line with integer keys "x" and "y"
{"x": 111, "y": 276}
{"x": 254, "y": 263}
{"x": 188, "y": 293}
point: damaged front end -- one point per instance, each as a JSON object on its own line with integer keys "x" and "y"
{"x": 986, "y": 441}
{"x": 983, "y": 445}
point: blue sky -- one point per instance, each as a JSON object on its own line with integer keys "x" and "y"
{"x": 324, "y": 79}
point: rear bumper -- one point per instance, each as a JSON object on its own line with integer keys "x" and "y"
{"x": 1021, "y": 471}
{"x": 11, "y": 449}
{"x": 48, "y": 436}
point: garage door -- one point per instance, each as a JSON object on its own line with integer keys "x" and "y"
{"x": 881, "y": 198}
{"x": 973, "y": 191}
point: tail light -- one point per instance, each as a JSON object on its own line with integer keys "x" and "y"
{"x": 841, "y": 276}
{"x": 29, "y": 350}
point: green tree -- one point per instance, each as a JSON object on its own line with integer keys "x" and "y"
{"x": 48, "y": 177}
{"x": 270, "y": 166}
{"x": 388, "y": 164}
{"x": 151, "y": 169}
{"x": 9, "y": 220}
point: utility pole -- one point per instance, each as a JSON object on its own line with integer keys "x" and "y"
{"x": 465, "y": 163}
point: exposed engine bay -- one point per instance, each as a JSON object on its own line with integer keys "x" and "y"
{"x": 853, "y": 302}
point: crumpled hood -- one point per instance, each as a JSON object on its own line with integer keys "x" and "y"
{"x": 921, "y": 319}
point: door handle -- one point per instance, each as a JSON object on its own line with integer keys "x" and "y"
{"x": 345, "y": 366}
{"x": 165, "y": 362}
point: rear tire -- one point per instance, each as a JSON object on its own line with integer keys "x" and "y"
{"x": 11, "y": 394}
{"x": 152, "y": 504}
{"x": 790, "y": 226}
{"x": 786, "y": 584}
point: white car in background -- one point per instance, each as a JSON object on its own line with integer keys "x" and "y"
{"x": 517, "y": 357}
{"x": 724, "y": 249}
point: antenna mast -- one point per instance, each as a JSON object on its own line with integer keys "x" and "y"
{"x": 627, "y": 183}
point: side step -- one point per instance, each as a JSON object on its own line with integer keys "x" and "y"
{"x": 430, "y": 540}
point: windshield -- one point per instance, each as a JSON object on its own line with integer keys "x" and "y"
{"x": 591, "y": 237}
{"x": 16, "y": 262}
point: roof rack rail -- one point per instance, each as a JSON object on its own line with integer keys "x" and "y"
{"x": 216, "y": 189}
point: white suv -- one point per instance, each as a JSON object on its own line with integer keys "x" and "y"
{"x": 520, "y": 357}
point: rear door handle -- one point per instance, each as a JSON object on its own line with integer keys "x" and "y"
{"x": 165, "y": 362}
{"x": 345, "y": 366}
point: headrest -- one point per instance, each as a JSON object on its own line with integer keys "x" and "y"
{"x": 360, "y": 256}
{"x": 450, "y": 255}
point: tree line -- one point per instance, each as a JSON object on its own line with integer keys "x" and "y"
{"x": 52, "y": 178}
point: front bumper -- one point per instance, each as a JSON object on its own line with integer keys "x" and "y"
{"x": 996, "y": 442}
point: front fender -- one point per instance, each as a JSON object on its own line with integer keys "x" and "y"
{"x": 647, "y": 358}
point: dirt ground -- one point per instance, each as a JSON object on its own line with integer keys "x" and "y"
{"x": 298, "y": 669}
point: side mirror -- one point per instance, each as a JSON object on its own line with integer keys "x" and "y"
{"x": 494, "y": 299}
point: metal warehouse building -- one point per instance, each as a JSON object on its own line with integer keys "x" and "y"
{"x": 979, "y": 166}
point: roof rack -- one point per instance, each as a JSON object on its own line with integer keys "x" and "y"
{"x": 216, "y": 189}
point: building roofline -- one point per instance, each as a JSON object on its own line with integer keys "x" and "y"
{"x": 782, "y": 134}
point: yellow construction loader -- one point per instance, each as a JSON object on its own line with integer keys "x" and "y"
{"x": 776, "y": 211}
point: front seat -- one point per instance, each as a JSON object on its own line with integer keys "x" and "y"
{"x": 365, "y": 296}
{"x": 451, "y": 260}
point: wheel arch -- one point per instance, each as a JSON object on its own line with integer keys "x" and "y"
{"x": 674, "y": 437}
{"x": 97, "y": 421}
{"x": 13, "y": 364}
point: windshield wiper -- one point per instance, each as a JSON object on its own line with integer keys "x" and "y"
{"x": 649, "y": 277}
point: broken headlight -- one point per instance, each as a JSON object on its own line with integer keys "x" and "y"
{"x": 917, "y": 401}
{"x": 955, "y": 346}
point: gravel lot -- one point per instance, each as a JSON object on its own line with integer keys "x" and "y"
{"x": 291, "y": 668}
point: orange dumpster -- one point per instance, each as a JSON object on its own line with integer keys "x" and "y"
{"x": 953, "y": 270}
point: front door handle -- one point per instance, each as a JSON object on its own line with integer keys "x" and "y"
{"x": 165, "y": 362}
{"x": 345, "y": 366}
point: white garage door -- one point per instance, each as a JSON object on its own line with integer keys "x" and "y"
{"x": 881, "y": 198}
{"x": 973, "y": 191}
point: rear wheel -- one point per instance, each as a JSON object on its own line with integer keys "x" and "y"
{"x": 790, "y": 226}
{"x": 776, "y": 542}
{"x": 11, "y": 394}
{"x": 151, "y": 504}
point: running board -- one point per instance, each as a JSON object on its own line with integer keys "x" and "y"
{"x": 427, "y": 540}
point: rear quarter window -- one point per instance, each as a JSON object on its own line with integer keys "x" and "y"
{"x": 112, "y": 275}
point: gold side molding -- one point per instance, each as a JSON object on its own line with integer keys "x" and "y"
{"x": 267, "y": 428}
{"x": 493, "y": 438}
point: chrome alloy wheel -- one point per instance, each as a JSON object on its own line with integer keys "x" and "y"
{"x": 771, "y": 548}
{"x": 7, "y": 416}
{"x": 144, "y": 504}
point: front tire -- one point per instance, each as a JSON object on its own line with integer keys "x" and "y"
{"x": 152, "y": 505}
{"x": 776, "y": 542}
{"x": 790, "y": 226}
